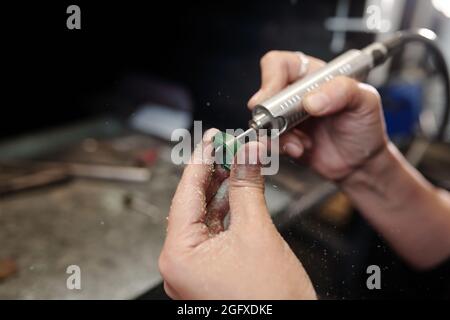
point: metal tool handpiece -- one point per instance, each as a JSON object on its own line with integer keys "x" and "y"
{"x": 284, "y": 110}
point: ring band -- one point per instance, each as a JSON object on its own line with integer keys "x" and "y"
{"x": 304, "y": 63}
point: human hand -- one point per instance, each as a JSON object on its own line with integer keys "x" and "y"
{"x": 347, "y": 125}
{"x": 248, "y": 260}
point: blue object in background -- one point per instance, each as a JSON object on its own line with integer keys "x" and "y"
{"x": 402, "y": 105}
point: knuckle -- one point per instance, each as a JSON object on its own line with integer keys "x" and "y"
{"x": 251, "y": 181}
{"x": 319, "y": 63}
{"x": 168, "y": 290}
{"x": 162, "y": 264}
{"x": 347, "y": 86}
{"x": 372, "y": 94}
{"x": 209, "y": 134}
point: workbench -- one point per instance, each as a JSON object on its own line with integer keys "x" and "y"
{"x": 87, "y": 222}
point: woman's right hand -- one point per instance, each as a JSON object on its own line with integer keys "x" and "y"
{"x": 346, "y": 127}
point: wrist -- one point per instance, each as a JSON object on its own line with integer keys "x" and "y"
{"x": 388, "y": 178}
{"x": 375, "y": 174}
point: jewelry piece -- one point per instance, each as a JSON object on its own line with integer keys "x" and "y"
{"x": 226, "y": 147}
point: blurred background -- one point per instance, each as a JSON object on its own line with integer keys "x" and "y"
{"x": 85, "y": 172}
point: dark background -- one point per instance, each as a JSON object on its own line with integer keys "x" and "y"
{"x": 57, "y": 76}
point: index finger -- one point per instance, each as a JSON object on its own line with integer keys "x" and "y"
{"x": 189, "y": 202}
{"x": 280, "y": 68}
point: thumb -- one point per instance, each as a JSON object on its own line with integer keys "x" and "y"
{"x": 246, "y": 186}
{"x": 339, "y": 94}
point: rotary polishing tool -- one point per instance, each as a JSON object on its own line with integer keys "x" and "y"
{"x": 284, "y": 110}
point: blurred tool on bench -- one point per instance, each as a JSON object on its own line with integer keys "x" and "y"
{"x": 42, "y": 174}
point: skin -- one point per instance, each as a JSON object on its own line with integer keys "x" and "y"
{"x": 248, "y": 260}
{"x": 345, "y": 141}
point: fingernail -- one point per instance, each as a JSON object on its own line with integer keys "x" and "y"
{"x": 316, "y": 102}
{"x": 293, "y": 149}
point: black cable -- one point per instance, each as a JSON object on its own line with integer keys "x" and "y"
{"x": 397, "y": 44}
